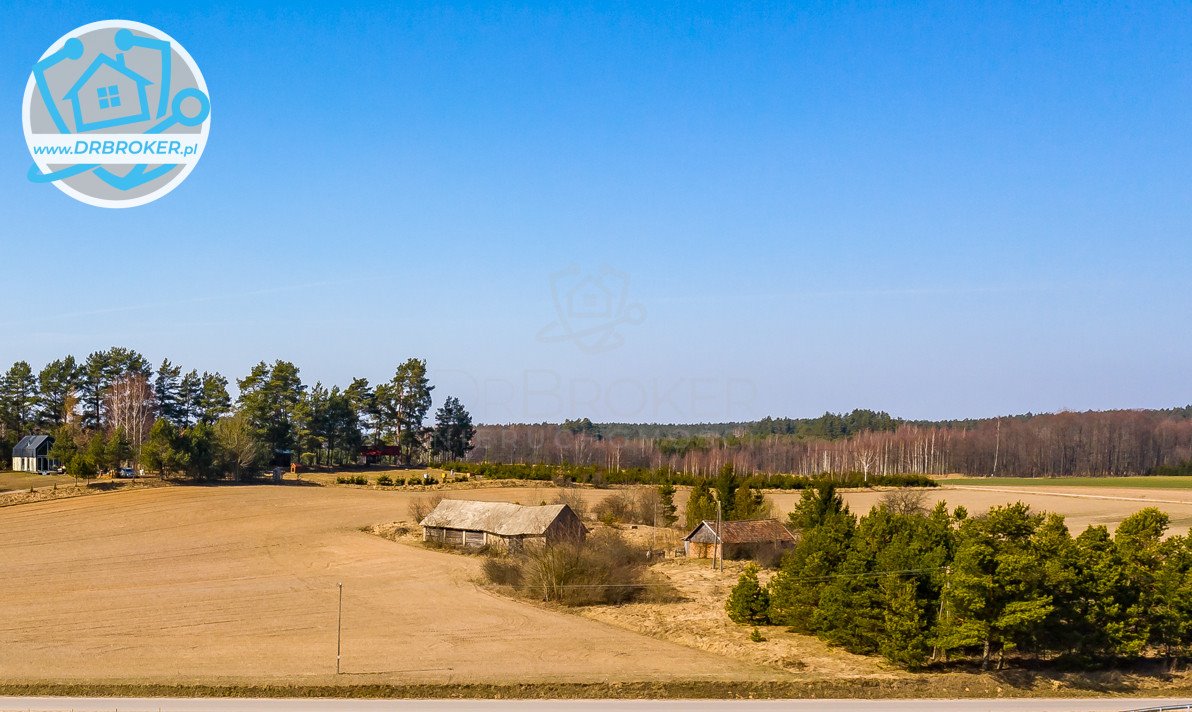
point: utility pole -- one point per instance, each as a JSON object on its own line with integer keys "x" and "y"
{"x": 654, "y": 531}
{"x": 339, "y": 629}
{"x": 719, "y": 538}
{"x": 720, "y": 526}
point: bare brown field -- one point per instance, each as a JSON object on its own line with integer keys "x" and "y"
{"x": 235, "y": 584}
{"x": 232, "y": 586}
{"x": 1081, "y": 506}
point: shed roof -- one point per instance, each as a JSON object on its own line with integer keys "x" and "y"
{"x": 30, "y": 444}
{"x": 501, "y": 518}
{"x": 745, "y": 531}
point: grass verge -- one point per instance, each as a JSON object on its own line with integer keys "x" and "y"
{"x": 947, "y": 686}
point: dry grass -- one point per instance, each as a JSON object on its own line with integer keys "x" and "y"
{"x": 25, "y": 480}
{"x": 1159, "y": 689}
{"x": 73, "y": 489}
{"x": 699, "y": 621}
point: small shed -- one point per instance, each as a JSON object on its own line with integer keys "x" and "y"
{"x": 32, "y": 454}
{"x": 466, "y": 523}
{"x": 761, "y": 539}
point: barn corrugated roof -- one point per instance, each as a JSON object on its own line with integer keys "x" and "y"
{"x": 746, "y": 531}
{"x": 29, "y": 445}
{"x": 501, "y": 518}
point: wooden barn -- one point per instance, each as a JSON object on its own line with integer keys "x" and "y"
{"x": 465, "y": 523}
{"x": 32, "y": 454}
{"x": 759, "y": 539}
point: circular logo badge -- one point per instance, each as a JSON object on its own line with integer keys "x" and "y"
{"x": 116, "y": 114}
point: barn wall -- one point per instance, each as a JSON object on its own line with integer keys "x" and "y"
{"x": 466, "y": 538}
{"x": 700, "y": 549}
{"x": 566, "y": 527}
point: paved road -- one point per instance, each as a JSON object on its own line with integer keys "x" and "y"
{"x": 125, "y": 704}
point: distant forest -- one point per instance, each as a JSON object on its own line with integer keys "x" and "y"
{"x": 1095, "y": 443}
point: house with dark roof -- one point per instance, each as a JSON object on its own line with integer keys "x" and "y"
{"x": 32, "y": 454}
{"x": 758, "y": 539}
{"x": 469, "y": 524}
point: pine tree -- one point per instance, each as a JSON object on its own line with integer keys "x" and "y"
{"x": 748, "y": 602}
{"x": 97, "y": 451}
{"x": 18, "y": 399}
{"x": 700, "y": 505}
{"x": 905, "y": 638}
{"x": 166, "y": 389}
{"x": 190, "y": 392}
{"x": 58, "y": 384}
{"x": 408, "y": 400}
{"x": 998, "y": 591}
{"x": 1138, "y": 541}
{"x": 200, "y": 451}
{"x": 667, "y": 512}
{"x": 162, "y": 451}
{"x": 749, "y": 503}
{"x": 826, "y": 529}
{"x": 269, "y": 397}
{"x": 213, "y": 401}
{"x": 727, "y": 483}
{"x": 118, "y": 449}
{"x": 453, "y": 432}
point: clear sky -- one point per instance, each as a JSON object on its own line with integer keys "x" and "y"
{"x": 935, "y": 210}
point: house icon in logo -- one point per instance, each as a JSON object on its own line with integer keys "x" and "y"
{"x": 108, "y": 94}
{"x": 590, "y": 299}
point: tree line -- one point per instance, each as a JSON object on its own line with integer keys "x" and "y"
{"x": 1095, "y": 443}
{"x": 601, "y": 476}
{"x": 919, "y": 586}
{"x": 114, "y": 408}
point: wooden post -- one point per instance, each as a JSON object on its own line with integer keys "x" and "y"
{"x": 339, "y": 629}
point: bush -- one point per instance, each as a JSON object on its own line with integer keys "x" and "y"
{"x": 637, "y": 506}
{"x": 605, "y": 569}
{"x": 748, "y": 603}
{"x": 384, "y": 481}
{"x": 422, "y": 506}
{"x": 572, "y": 498}
{"x": 501, "y": 571}
{"x": 351, "y": 480}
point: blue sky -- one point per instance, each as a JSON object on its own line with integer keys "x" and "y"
{"x": 935, "y": 210}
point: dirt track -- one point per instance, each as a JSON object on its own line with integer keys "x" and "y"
{"x": 239, "y": 583}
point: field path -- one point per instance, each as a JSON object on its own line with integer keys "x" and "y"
{"x": 237, "y": 584}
